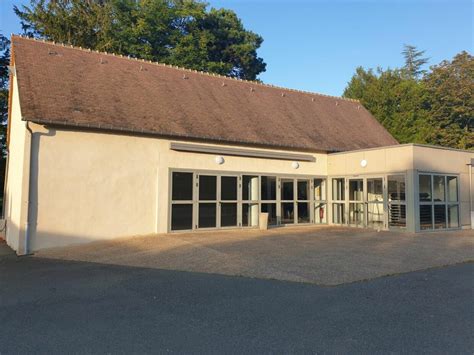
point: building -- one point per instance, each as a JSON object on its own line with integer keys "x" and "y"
{"x": 102, "y": 146}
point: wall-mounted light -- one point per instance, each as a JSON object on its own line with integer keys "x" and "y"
{"x": 295, "y": 165}
{"x": 363, "y": 163}
{"x": 220, "y": 160}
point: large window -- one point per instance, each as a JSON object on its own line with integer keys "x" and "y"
{"x": 438, "y": 201}
{"x": 303, "y": 201}
{"x": 268, "y": 197}
{"x": 250, "y": 200}
{"x": 228, "y": 201}
{"x": 397, "y": 208}
{"x": 287, "y": 193}
{"x": 201, "y": 200}
{"x": 320, "y": 201}
{"x": 182, "y": 201}
{"x": 356, "y": 202}
{"x": 375, "y": 209}
{"x": 207, "y": 201}
{"x": 338, "y": 205}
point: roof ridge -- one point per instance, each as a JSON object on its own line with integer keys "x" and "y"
{"x": 121, "y": 56}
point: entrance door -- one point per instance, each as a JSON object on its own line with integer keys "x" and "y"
{"x": 375, "y": 205}
{"x": 356, "y": 202}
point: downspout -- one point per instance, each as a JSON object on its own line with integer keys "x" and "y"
{"x": 27, "y": 225}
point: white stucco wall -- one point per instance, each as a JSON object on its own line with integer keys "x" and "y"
{"x": 98, "y": 186}
{"x": 16, "y": 177}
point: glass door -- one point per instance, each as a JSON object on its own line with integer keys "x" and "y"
{"x": 228, "y": 201}
{"x": 356, "y": 202}
{"x": 375, "y": 205}
{"x": 287, "y": 191}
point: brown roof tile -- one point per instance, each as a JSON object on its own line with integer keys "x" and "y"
{"x": 76, "y": 87}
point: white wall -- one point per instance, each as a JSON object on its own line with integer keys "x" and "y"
{"x": 98, "y": 186}
{"x": 15, "y": 203}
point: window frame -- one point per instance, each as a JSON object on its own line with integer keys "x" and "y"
{"x": 240, "y": 201}
{"x": 398, "y": 203}
{"x": 446, "y": 203}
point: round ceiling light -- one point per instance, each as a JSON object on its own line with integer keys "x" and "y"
{"x": 363, "y": 163}
{"x": 295, "y": 165}
{"x": 220, "y": 160}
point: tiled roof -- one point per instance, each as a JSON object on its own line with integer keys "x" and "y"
{"x": 63, "y": 85}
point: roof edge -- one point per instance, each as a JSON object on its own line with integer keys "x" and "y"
{"x": 120, "y": 56}
{"x": 165, "y": 135}
{"x": 431, "y": 146}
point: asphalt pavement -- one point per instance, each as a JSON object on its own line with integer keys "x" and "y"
{"x": 56, "y": 306}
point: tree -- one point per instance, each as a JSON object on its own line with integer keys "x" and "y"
{"x": 397, "y": 103}
{"x": 178, "y": 32}
{"x": 414, "y": 61}
{"x": 4, "y": 62}
{"x": 450, "y": 88}
{"x": 416, "y": 106}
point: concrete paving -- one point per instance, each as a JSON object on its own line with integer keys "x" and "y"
{"x": 321, "y": 255}
{"x": 57, "y": 307}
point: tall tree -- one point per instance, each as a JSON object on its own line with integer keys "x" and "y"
{"x": 417, "y": 106}
{"x": 398, "y": 103}
{"x": 178, "y": 32}
{"x": 414, "y": 62}
{"x": 4, "y": 62}
{"x": 450, "y": 88}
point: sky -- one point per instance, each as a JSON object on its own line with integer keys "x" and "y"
{"x": 316, "y": 45}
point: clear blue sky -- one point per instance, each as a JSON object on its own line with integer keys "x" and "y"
{"x": 316, "y": 45}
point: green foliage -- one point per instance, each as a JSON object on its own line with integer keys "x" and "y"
{"x": 178, "y": 32}
{"x": 396, "y": 102}
{"x": 435, "y": 107}
{"x": 450, "y": 89}
{"x": 414, "y": 62}
{"x": 4, "y": 62}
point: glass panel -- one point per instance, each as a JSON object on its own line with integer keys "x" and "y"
{"x": 438, "y": 188}
{"x": 268, "y": 188}
{"x": 207, "y": 215}
{"x": 338, "y": 216}
{"x": 181, "y": 217}
{"x": 207, "y": 187}
{"x": 375, "y": 190}
{"x": 396, "y": 188}
{"x": 228, "y": 214}
{"x": 320, "y": 189}
{"x": 182, "y": 186}
{"x": 229, "y": 188}
{"x": 303, "y": 212}
{"x": 425, "y": 187}
{"x": 249, "y": 214}
{"x": 375, "y": 215}
{"x": 397, "y": 215}
{"x": 250, "y": 188}
{"x": 287, "y": 192}
{"x": 440, "y": 216}
{"x": 270, "y": 208}
{"x": 287, "y": 213}
{"x": 338, "y": 189}
{"x": 303, "y": 189}
{"x": 452, "y": 188}
{"x": 453, "y": 216}
{"x": 320, "y": 213}
{"x": 356, "y": 213}
{"x": 356, "y": 190}
{"x": 426, "y": 220}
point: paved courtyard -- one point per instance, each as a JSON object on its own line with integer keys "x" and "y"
{"x": 321, "y": 255}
